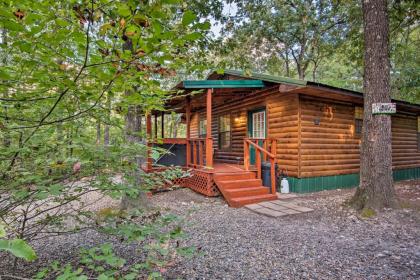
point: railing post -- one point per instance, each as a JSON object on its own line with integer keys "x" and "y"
{"x": 265, "y": 145}
{"x": 188, "y": 134}
{"x": 273, "y": 177}
{"x": 200, "y": 152}
{"x": 258, "y": 162}
{"x": 246, "y": 155}
{"x": 209, "y": 140}
{"x": 194, "y": 153}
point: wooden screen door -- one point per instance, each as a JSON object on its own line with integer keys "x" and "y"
{"x": 257, "y": 129}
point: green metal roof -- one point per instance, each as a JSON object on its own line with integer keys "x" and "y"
{"x": 200, "y": 84}
{"x": 266, "y": 78}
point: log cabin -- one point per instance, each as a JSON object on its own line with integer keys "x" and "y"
{"x": 237, "y": 122}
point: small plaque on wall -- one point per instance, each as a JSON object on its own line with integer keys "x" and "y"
{"x": 317, "y": 121}
{"x": 384, "y": 108}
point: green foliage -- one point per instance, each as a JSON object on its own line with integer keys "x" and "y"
{"x": 18, "y": 247}
{"x": 154, "y": 233}
{"x": 317, "y": 40}
{"x": 73, "y": 77}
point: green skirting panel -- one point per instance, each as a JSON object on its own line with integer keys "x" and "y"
{"x": 316, "y": 184}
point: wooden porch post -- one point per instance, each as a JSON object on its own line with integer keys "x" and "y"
{"x": 209, "y": 140}
{"x": 149, "y": 141}
{"x": 188, "y": 119}
{"x": 162, "y": 125}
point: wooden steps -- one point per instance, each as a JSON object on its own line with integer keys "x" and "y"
{"x": 242, "y": 188}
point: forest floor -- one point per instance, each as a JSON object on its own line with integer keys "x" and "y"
{"x": 332, "y": 242}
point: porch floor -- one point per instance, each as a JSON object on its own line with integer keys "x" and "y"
{"x": 219, "y": 167}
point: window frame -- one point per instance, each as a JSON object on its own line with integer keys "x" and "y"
{"x": 219, "y": 132}
{"x": 358, "y": 121}
{"x": 202, "y": 134}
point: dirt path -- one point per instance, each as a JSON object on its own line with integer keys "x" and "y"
{"x": 331, "y": 242}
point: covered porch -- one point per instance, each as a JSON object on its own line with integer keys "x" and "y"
{"x": 212, "y": 149}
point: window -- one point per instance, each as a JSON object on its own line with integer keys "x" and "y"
{"x": 203, "y": 128}
{"x": 418, "y": 133}
{"x": 224, "y": 132}
{"x": 358, "y": 121}
{"x": 258, "y": 125}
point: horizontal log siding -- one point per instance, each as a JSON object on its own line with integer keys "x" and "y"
{"x": 283, "y": 125}
{"x": 194, "y": 128}
{"x": 238, "y": 108}
{"x": 331, "y": 148}
{"x": 404, "y": 142}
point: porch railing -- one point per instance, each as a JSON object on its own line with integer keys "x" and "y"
{"x": 268, "y": 149}
{"x": 196, "y": 146}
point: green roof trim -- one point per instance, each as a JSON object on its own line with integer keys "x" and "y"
{"x": 200, "y": 84}
{"x": 266, "y": 78}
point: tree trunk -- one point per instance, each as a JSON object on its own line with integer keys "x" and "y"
{"x": 376, "y": 189}
{"x": 6, "y": 134}
{"x": 108, "y": 120}
{"x": 98, "y": 132}
{"x": 133, "y": 134}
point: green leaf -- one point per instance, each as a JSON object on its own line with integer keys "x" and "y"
{"x": 2, "y": 231}
{"x": 103, "y": 277}
{"x": 188, "y": 18}
{"x": 192, "y": 36}
{"x": 4, "y": 75}
{"x": 203, "y": 26}
{"x": 124, "y": 10}
{"x": 18, "y": 248}
{"x": 61, "y": 22}
{"x": 13, "y": 26}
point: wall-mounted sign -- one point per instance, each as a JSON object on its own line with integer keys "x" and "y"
{"x": 384, "y": 108}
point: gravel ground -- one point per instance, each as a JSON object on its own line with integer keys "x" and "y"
{"x": 332, "y": 242}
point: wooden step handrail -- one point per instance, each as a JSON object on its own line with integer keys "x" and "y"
{"x": 261, "y": 149}
{"x": 271, "y": 155}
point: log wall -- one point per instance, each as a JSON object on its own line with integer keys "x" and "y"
{"x": 329, "y": 145}
{"x": 283, "y": 125}
{"x": 315, "y": 136}
{"x": 405, "y": 153}
{"x": 194, "y": 129}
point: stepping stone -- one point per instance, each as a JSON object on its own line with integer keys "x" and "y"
{"x": 269, "y": 212}
{"x": 253, "y": 206}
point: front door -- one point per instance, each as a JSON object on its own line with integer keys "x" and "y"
{"x": 257, "y": 129}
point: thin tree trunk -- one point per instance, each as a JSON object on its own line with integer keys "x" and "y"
{"x": 98, "y": 132}
{"x": 133, "y": 135}
{"x": 376, "y": 189}
{"x": 6, "y": 134}
{"x": 108, "y": 120}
